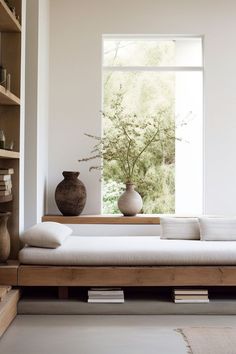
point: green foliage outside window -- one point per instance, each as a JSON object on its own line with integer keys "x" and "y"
{"x": 146, "y": 147}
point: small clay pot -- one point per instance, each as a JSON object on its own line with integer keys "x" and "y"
{"x": 5, "y": 242}
{"x": 130, "y": 202}
{"x": 70, "y": 194}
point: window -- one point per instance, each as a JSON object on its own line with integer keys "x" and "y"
{"x": 149, "y": 77}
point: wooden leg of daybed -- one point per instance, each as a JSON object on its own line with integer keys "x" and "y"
{"x": 63, "y": 292}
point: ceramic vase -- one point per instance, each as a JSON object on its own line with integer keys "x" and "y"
{"x": 5, "y": 242}
{"x": 130, "y": 202}
{"x": 70, "y": 194}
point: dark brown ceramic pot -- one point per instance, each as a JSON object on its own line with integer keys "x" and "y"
{"x": 70, "y": 194}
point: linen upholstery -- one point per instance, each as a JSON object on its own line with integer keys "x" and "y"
{"x": 217, "y": 229}
{"x": 179, "y": 228}
{"x": 47, "y": 234}
{"x": 131, "y": 251}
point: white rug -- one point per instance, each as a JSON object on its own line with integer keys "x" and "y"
{"x": 209, "y": 340}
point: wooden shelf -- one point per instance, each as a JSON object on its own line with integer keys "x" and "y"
{"x": 6, "y": 198}
{"x": 140, "y": 219}
{"x": 7, "y": 98}
{"x": 9, "y": 154}
{"x": 8, "y": 22}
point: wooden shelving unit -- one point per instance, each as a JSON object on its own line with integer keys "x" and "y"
{"x": 8, "y": 22}
{"x": 10, "y": 112}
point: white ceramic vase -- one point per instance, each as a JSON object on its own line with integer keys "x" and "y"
{"x": 130, "y": 202}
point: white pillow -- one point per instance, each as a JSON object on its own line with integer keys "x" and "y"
{"x": 46, "y": 234}
{"x": 217, "y": 229}
{"x": 179, "y": 228}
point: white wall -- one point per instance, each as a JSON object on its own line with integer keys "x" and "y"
{"x": 76, "y": 29}
{"x": 31, "y": 65}
{"x": 43, "y": 106}
{"x": 22, "y": 118}
{"x": 36, "y": 109}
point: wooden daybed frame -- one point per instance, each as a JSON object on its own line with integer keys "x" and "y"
{"x": 37, "y": 275}
{"x": 28, "y": 275}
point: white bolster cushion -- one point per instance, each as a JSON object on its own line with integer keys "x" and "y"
{"x": 179, "y": 228}
{"x": 217, "y": 229}
{"x": 46, "y": 234}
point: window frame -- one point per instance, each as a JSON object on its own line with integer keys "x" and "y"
{"x": 178, "y": 68}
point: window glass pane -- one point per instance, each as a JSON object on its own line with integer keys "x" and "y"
{"x": 188, "y": 150}
{"x": 153, "y": 52}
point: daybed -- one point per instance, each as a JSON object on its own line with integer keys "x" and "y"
{"x": 129, "y": 261}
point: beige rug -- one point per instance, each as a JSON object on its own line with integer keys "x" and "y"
{"x": 209, "y": 340}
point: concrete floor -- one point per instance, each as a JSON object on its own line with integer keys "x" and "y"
{"x": 68, "y": 334}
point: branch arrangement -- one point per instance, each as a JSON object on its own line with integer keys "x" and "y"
{"x": 128, "y": 138}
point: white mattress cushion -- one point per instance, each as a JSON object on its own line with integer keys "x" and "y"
{"x": 46, "y": 234}
{"x": 131, "y": 251}
{"x": 180, "y": 228}
{"x": 217, "y": 229}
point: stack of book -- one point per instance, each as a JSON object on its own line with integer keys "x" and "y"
{"x": 190, "y": 296}
{"x": 5, "y": 181}
{"x": 4, "y": 289}
{"x": 106, "y": 295}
